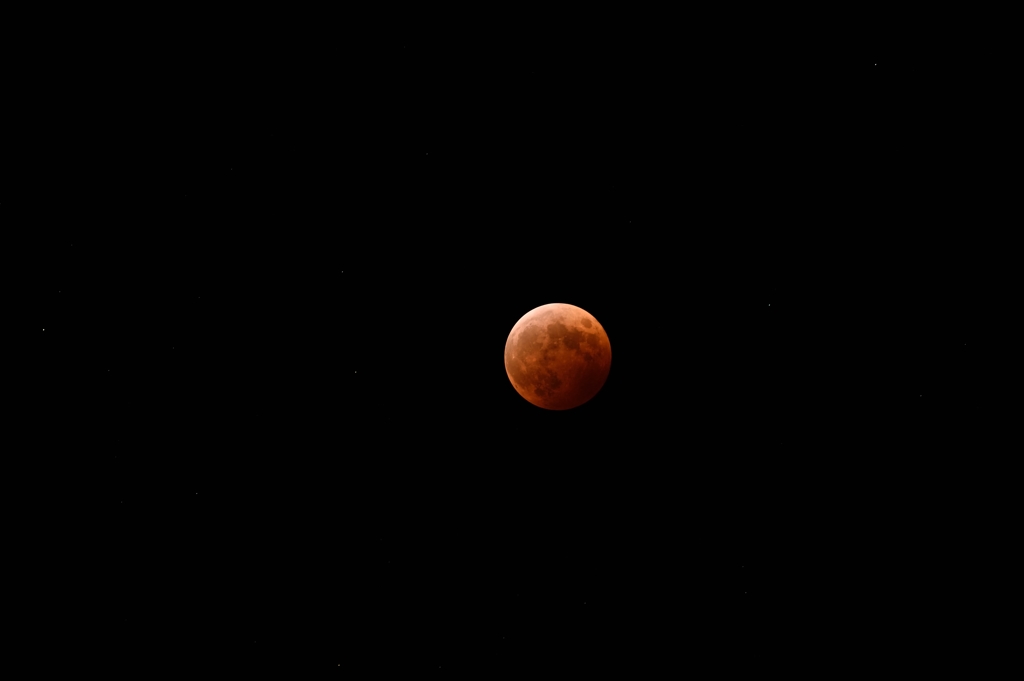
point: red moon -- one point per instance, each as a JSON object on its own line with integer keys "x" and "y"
{"x": 557, "y": 356}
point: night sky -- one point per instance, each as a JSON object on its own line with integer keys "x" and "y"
{"x": 274, "y": 328}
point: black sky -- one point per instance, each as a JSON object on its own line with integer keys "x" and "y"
{"x": 275, "y": 331}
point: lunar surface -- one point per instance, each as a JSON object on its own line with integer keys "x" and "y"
{"x": 557, "y": 356}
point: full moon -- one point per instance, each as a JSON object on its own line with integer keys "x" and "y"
{"x": 557, "y": 356}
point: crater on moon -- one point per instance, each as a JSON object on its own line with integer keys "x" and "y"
{"x": 557, "y": 356}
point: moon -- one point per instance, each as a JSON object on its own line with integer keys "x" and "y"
{"x": 557, "y": 356}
